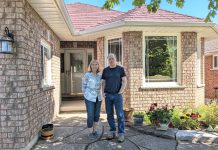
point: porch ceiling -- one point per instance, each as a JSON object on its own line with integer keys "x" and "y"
{"x": 52, "y": 13}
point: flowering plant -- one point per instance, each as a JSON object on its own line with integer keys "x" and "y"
{"x": 159, "y": 115}
{"x": 190, "y": 121}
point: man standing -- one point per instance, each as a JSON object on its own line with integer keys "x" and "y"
{"x": 113, "y": 85}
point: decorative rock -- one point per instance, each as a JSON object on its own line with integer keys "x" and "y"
{"x": 185, "y": 135}
{"x": 202, "y": 137}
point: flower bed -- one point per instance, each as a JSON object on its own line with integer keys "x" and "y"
{"x": 204, "y": 117}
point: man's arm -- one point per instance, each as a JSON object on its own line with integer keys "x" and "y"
{"x": 102, "y": 87}
{"x": 124, "y": 82}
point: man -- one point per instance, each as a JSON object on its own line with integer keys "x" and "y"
{"x": 113, "y": 85}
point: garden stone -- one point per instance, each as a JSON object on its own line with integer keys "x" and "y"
{"x": 201, "y": 137}
{"x": 182, "y": 145}
{"x": 169, "y": 133}
{"x": 185, "y": 135}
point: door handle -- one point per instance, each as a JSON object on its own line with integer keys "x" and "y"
{"x": 67, "y": 72}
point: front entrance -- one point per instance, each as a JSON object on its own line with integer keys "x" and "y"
{"x": 75, "y": 64}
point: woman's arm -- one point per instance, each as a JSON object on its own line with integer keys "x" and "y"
{"x": 84, "y": 83}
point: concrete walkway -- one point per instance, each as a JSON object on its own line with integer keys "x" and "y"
{"x": 70, "y": 133}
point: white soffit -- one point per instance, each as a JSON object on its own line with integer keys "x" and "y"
{"x": 53, "y": 15}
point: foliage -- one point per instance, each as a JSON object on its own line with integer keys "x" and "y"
{"x": 176, "y": 121}
{"x": 184, "y": 119}
{"x": 209, "y": 114}
{"x": 146, "y": 119}
{"x": 139, "y": 114}
{"x": 154, "y": 5}
{"x": 189, "y": 121}
{"x": 202, "y": 117}
{"x": 159, "y": 115}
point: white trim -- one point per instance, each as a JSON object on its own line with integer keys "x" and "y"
{"x": 62, "y": 7}
{"x": 49, "y": 68}
{"x": 179, "y": 69}
{"x": 211, "y": 53}
{"x": 106, "y": 39}
{"x": 147, "y": 23}
{"x": 45, "y": 44}
{"x": 215, "y": 68}
{"x": 198, "y": 60}
{"x": 162, "y": 85}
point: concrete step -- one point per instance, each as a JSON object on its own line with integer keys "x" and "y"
{"x": 73, "y": 106}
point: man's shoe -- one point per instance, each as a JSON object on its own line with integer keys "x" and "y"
{"x": 111, "y": 135}
{"x": 121, "y": 138}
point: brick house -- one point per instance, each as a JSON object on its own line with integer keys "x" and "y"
{"x": 211, "y": 69}
{"x": 162, "y": 54}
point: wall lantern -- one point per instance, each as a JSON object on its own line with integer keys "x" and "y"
{"x": 6, "y": 42}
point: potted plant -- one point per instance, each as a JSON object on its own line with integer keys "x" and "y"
{"x": 47, "y": 131}
{"x": 160, "y": 116}
{"x": 128, "y": 112}
{"x": 138, "y": 118}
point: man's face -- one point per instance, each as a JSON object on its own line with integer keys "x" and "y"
{"x": 112, "y": 60}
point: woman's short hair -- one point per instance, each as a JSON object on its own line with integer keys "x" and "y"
{"x": 90, "y": 68}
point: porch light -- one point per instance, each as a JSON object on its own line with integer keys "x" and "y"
{"x": 6, "y": 42}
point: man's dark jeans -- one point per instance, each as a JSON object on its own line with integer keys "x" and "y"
{"x": 116, "y": 100}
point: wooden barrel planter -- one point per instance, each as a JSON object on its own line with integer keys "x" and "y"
{"x": 128, "y": 114}
{"x": 47, "y": 131}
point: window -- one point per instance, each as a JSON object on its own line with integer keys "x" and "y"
{"x": 46, "y": 64}
{"x": 115, "y": 46}
{"x": 161, "y": 59}
{"x": 215, "y": 62}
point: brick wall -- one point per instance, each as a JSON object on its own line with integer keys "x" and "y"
{"x": 101, "y": 58}
{"x": 100, "y": 52}
{"x": 130, "y": 60}
{"x": 211, "y": 77}
{"x": 24, "y": 106}
{"x": 141, "y": 98}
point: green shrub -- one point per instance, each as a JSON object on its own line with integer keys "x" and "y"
{"x": 139, "y": 114}
{"x": 147, "y": 120}
{"x": 209, "y": 114}
{"x": 176, "y": 114}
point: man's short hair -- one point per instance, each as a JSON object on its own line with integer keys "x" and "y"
{"x": 111, "y": 55}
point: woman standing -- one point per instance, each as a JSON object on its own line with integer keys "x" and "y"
{"x": 91, "y": 89}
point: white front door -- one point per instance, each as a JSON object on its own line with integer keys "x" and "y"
{"x": 76, "y": 64}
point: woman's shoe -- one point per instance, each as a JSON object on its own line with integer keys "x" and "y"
{"x": 91, "y": 136}
{"x": 95, "y": 134}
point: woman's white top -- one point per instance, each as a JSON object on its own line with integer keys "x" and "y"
{"x": 91, "y": 86}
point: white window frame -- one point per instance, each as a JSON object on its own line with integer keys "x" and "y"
{"x": 163, "y": 84}
{"x": 106, "y": 47}
{"x": 49, "y": 74}
{"x": 215, "y": 68}
{"x": 198, "y": 61}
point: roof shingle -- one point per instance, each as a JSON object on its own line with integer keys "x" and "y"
{"x": 86, "y": 16}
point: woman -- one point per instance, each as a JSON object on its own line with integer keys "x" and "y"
{"x": 91, "y": 89}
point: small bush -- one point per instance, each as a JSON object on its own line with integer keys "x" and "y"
{"x": 209, "y": 114}
{"x": 139, "y": 114}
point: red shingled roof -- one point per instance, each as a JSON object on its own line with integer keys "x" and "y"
{"x": 86, "y": 16}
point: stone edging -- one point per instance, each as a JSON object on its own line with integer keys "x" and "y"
{"x": 179, "y": 135}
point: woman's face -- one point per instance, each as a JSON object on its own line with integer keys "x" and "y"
{"x": 94, "y": 66}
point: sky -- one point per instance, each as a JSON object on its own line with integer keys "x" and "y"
{"x": 196, "y": 8}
